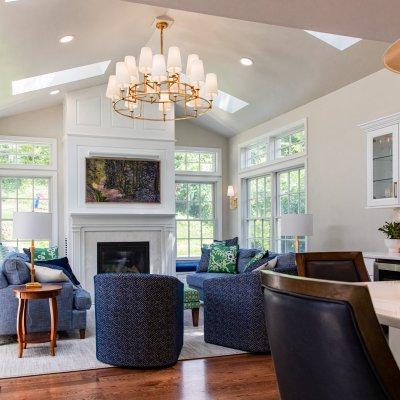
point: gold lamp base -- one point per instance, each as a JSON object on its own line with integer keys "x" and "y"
{"x": 33, "y": 285}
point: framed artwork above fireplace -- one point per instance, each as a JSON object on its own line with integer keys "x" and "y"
{"x": 122, "y": 180}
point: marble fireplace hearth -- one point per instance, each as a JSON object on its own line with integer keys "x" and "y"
{"x": 90, "y": 229}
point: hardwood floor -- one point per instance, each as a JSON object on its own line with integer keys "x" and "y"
{"x": 221, "y": 378}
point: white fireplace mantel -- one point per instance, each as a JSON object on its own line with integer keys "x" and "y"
{"x": 92, "y": 128}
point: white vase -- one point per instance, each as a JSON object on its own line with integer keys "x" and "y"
{"x": 393, "y": 245}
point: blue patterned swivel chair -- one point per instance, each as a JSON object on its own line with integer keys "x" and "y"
{"x": 139, "y": 319}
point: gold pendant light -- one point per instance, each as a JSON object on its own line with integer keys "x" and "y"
{"x": 158, "y": 80}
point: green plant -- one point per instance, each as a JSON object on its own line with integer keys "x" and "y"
{"x": 391, "y": 230}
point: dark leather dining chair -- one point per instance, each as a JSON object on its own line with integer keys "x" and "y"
{"x": 326, "y": 341}
{"x": 345, "y": 266}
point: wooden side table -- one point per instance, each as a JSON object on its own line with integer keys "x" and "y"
{"x": 24, "y": 295}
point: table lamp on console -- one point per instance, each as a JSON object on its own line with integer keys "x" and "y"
{"x": 32, "y": 226}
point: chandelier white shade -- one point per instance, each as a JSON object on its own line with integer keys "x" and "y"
{"x": 157, "y": 79}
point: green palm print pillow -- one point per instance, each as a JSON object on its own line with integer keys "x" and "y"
{"x": 223, "y": 259}
{"x": 259, "y": 256}
{"x": 43, "y": 254}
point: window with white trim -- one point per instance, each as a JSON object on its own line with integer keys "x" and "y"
{"x": 274, "y": 147}
{"x": 259, "y": 212}
{"x": 291, "y": 195}
{"x": 268, "y": 197}
{"x": 195, "y": 217}
{"x": 21, "y": 194}
{"x": 25, "y": 182}
{"x": 195, "y": 161}
{"x": 23, "y": 153}
{"x": 197, "y": 202}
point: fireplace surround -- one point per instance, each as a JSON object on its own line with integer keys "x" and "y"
{"x": 131, "y": 257}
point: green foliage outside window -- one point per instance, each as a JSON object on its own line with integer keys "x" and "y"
{"x": 24, "y": 154}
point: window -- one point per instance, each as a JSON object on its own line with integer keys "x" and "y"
{"x": 18, "y": 153}
{"x": 195, "y": 161}
{"x": 290, "y": 144}
{"x": 195, "y": 217}
{"x": 259, "y": 220}
{"x": 274, "y": 147}
{"x": 268, "y": 197}
{"x": 256, "y": 153}
{"x": 291, "y": 200}
{"x": 21, "y": 194}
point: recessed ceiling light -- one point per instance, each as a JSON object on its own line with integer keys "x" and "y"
{"x": 338, "y": 41}
{"x": 59, "y": 78}
{"x": 66, "y": 39}
{"x": 53, "y": 92}
{"x": 246, "y": 61}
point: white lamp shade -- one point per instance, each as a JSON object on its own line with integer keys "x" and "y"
{"x": 145, "y": 60}
{"x": 190, "y": 59}
{"x": 112, "y": 91}
{"x": 32, "y": 225}
{"x": 174, "y": 64}
{"x": 158, "y": 69}
{"x": 130, "y": 62}
{"x": 122, "y": 75}
{"x": 197, "y": 73}
{"x": 211, "y": 86}
{"x": 230, "y": 192}
{"x": 297, "y": 225}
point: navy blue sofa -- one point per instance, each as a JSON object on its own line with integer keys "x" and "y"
{"x": 234, "y": 305}
{"x": 196, "y": 280}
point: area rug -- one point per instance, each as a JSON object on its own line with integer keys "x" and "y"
{"x": 74, "y": 354}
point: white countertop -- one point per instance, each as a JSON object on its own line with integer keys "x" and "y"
{"x": 385, "y": 297}
{"x": 384, "y": 256}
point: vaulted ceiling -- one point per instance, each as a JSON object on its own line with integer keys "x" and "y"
{"x": 290, "y": 67}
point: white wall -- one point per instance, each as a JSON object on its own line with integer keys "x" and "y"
{"x": 189, "y": 134}
{"x": 48, "y": 123}
{"x": 336, "y": 171}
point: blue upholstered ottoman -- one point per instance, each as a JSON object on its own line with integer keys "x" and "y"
{"x": 139, "y": 319}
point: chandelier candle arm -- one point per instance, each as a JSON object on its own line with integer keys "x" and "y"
{"x": 160, "y": 82}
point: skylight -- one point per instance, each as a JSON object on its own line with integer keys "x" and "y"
{"x": 337, "y": 41}
{"x": 229, "y": 103}
{"x": 59, "y": 77}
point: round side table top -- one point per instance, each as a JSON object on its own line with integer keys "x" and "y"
{"x": 46, "y": 291}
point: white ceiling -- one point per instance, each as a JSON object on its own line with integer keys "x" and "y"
{"x": 290, "y": 67}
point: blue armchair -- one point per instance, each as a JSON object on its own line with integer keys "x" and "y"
{"x": 234, "y": 313}
{"x": 139, "y": 319}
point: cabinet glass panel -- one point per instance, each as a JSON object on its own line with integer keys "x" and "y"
{"x": 382, "y": 157}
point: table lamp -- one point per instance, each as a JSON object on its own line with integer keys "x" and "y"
{"x": 32, "y": 226}
{"x": 297, "y": 225}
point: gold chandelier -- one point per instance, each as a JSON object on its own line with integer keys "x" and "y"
{"x": 160, "y": 82}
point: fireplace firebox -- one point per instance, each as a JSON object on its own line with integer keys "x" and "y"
{"x": 130, "y": 257}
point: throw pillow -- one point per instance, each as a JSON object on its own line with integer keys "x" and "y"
{"x": 43, "y": 254}
{"x": 205, "y": 259}
{"x": 206, "y": 249}
{"x": 228, "y": 242}
{"x": 16, "y": 271}
{"x": 223, "y": 259}
{"x": 4, "y": 251}
{"x": 48, "y": 275}
{"x": 63, "y": 265}
{"x": 244, "y": 256}
{"x": 268, "y": 265}
{"x": 256, "y": 261}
